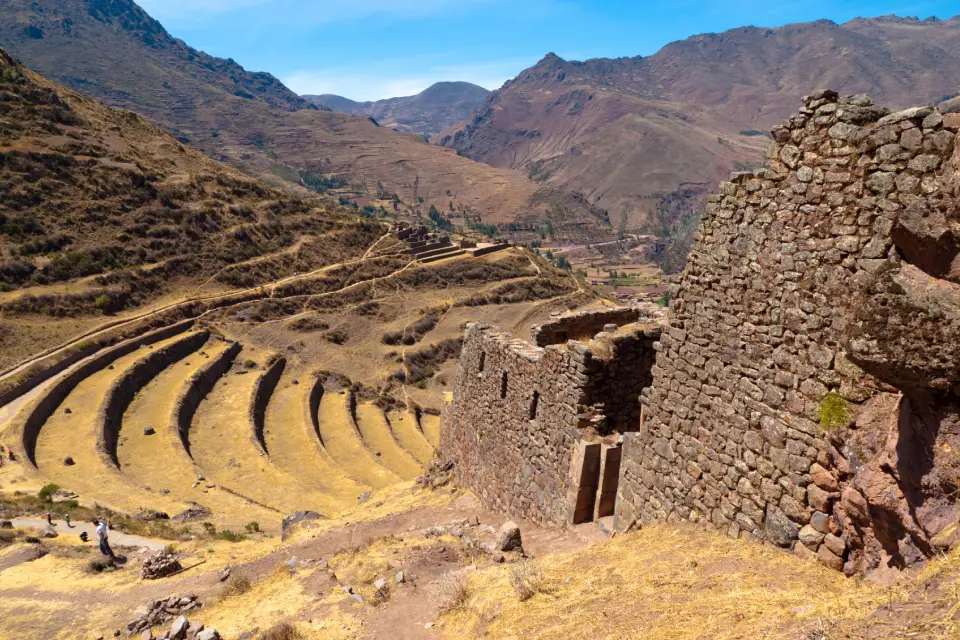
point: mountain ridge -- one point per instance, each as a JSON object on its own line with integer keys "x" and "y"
{"x": 630, "y": 132}
{"x": 432, "y": 110}
{"x": 113, "y": 51}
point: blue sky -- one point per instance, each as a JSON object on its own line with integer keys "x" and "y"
{"x": 372, "y": 49}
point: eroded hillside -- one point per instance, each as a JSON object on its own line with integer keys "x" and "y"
{"x": 115, "y": 52}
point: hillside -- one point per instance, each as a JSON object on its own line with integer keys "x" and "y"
{"x": 115, "y": 52}
{"x": 644, "y": 137}
{"x": 429, "y": 112}
{"x": 102, "y": 211}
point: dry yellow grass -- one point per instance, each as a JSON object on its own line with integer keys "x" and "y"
{"x": 376, "y": 435}
{"x": 222, "y": 444}
{"x": 408, "y": 434}
{"x": 75, "y": 435}
{"x": 294, "y": 446}
{"x": 159, "y": 460}
{"x": 343, "y": 443}
{"x": 275, "y": 599}
{"x": 668, "y": 582}
{"x": 431, "y": 428}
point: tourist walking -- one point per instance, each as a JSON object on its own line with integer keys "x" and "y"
{"x": 102, "y": 537}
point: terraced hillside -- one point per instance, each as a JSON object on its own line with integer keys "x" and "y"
{"x": 102, "y": 213}
{"x": 185, "y": 340}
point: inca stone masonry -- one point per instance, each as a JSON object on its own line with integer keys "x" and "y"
{"x": 805, "y": 389}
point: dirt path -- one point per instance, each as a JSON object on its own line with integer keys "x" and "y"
{"x": 116, "y": 538}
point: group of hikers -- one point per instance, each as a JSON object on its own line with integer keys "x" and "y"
{"x": 101, "y": 528}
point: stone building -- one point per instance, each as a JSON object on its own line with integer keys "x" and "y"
{"x": 537, "y": 430}
{"x": 806, "y": 392}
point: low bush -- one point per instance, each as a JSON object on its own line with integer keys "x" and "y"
{"x": 282, "y": 631}
{"x": 231, "y": 536}
{"x": 527, "y": 580}
{"x": 450, "y": 591}
{"x": 237, "y": 585}
{"x": 336, "y": 336}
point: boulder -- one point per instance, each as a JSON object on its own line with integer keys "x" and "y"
{"x": 208, "y": 634}
{"x": 509, "y": 537}
{"x": 178, "y": 630}
{"x": 149, "y": 431}
{"x": 293, "y": 521}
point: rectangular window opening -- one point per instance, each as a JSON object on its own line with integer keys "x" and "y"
{"x": 503, "y": 386}
{"x": 483, "y": 360}
{"x": 534, "y": 405}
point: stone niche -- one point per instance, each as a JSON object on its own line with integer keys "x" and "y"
{"x": 537, "y": 431}
{"x": 807, "y": 390}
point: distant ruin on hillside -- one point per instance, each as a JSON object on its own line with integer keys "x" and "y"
{"x": 806, "y": 391}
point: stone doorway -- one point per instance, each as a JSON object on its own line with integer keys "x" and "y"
{"x": 596, "y": 474}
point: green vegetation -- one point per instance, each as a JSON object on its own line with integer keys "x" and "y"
{"x": 752, "y": 132}
{"x": 439, "y": 219}
{"x": 46, "y": 492}
{"x": 321, "y": 183}
{"x": 834, "y": 413}
{"x": 231, "y": 536}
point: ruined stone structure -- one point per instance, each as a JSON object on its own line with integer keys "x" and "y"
{"x": 807, "y": 390}
{"x": 537, "y": 431}
{"x": 819, "y": 289}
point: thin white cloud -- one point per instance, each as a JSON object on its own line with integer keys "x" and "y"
{"x": 394, "y": 80}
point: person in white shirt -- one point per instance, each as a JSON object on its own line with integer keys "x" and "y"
{"x": 102, "y": 537}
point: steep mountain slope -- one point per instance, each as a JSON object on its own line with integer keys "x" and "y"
{"x": 112, "y": 50}
{"x": 85, "y": 189}
{"x": 432, "y": 110}
{"x": 639, "y": 134}
{"x": 101, "y": 211}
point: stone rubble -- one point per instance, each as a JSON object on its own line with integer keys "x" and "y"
{"x": 160, "y": 565}
{"x": 162, "y": 611}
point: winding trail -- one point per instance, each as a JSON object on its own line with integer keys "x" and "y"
{"x": 115, "y": 538}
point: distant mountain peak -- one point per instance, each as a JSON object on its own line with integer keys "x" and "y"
{"x": 437, "y": 107}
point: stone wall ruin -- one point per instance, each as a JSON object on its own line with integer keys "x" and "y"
{"x": 537, "y": 431}
{"x": 806, "y": 393}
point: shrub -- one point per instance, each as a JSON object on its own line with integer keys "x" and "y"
{"x": 252, "y": 527}
{"x": 230, "y": 536}
{"x": 336, "y": 336}
{"x": 237, "y": 585}
{"x": 526, "y": 578}
{"x": 282, "y": 631}
{"x": 46, "y": 492}
{"x": 210, "y": 528}
{"x": 307, "y": 324}
{"x": 450, "y": 591}
{"x": 99, "y": 565}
